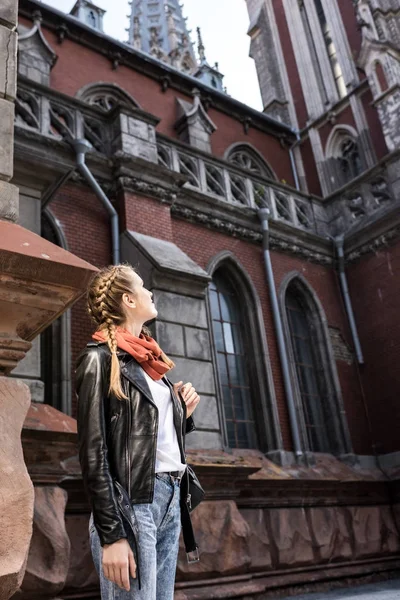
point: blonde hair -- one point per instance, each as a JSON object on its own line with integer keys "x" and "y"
{"x": 104, "y": 302}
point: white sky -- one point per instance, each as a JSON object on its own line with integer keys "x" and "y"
{"x": 223, "y": 24}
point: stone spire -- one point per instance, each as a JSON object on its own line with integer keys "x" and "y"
{"x": 165, "y": 17}
{"x": 158, "y": 28}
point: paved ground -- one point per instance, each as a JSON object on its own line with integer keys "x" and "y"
{"x": 387, "y": 590}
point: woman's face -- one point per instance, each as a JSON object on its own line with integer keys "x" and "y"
{"x": 140, "y": 307}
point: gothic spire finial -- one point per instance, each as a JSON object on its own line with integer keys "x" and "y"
{"x": 200, "y": 47}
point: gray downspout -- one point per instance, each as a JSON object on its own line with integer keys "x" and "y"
{"x": 264, "y": 215}
{"x": 293, "y": 161}
{"x": 81, "y": 147}
{"x": 339, "y": 244}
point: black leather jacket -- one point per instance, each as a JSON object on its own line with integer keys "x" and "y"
{"x": 117, "y": 438}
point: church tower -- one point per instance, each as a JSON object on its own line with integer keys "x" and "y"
{"x": 158, "y": 28}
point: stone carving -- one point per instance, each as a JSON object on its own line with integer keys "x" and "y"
{"x": 356, "y": 206}
{"x": 16, "y": 487}
{"x": 48, "y": 559}
{"x": 150, "y": 189}
{"x": 36, "y": 57}
{"x": 223, "y": 536}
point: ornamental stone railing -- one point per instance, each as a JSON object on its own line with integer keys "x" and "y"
{"x": 225, "y": 181}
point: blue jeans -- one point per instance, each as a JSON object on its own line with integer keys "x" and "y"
{"x": 159, "y": 526}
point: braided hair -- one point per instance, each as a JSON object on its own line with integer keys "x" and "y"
{"x": 104, "y": 303}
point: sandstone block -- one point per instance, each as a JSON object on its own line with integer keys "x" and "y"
{"x": 16, "y": 498}
{"x": 374, "y": 530}
{"x": 181, "y": 309}
{"x": 331, "y": 532}
{"x": 49, "y": 553}
{"x": 260, "y": 544}
{"x": 223, "y": 536}
{"x": 291, "y": 536}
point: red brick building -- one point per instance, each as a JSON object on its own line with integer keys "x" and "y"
{"x": 296, "y": 438}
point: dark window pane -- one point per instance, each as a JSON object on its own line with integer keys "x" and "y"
{"x": 226, "y": 391}
{"x": 225, "y": 312}
{"x": 308, "y": 367}
{"x": 223, "y": 373}
{"x": 237, "y": 374}
{"x": 218, "y": 335}
{"x": 231, "y": 434}
{"x": 237, "y": 339}
{"x": 215, "y": 313}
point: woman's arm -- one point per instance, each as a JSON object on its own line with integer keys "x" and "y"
{"x": 91, "y": 384}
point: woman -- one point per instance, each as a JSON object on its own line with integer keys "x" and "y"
{"x": 132, "y": 423}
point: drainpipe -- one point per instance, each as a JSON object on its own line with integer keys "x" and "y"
{"x": 264, "y": 216}
{"x": 339, "y": 244}
{"x": 81, "y": 147}
{"x": 293, "y": 161}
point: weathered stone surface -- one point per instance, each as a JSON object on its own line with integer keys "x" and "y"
{"x": 170, "y": 338}
{"x": 181, "y": 309}
{"x": 82, "y": 573}
{"x": 136, "y": 147}
{"x": 199, "y": 373}
{"x": 206, "y": 413}
{"x": 374, "y": 530}
{"x": 331, "y": 532}
{"x": 49, "y": 552}
{"x": 9, "y": 12}
{"x": 8, "y": 201}
{"x": 8, "y": 48}
{"x": 197, "y": 343}
{"x": 223, "y": 537}
{"x": 291, "y": 536}
{"x": 16, "y": 497}
{"x": 6, "y": 139}
{"x": 260, "y": 544}
{"x": 198, "y": 440}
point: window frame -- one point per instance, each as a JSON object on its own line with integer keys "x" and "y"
{"x": 265, "y": 410}
{"x": 318, "y": 321}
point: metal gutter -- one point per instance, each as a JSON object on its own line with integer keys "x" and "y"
{"x": 81, "y": 147}
{"x": 264, "y": 215}
{"x": 339, "y": 245}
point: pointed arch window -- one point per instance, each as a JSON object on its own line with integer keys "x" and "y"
{"x": 317, "y": 389}
{"x": 232, "y": 363}
{"x": 349, "y": 159}
{"x": 106, "y": 96}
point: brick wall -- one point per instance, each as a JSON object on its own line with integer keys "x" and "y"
{"x": 202, "y": 244}
{"x": 94, "y": 67}
{"x": 86, "y": 227}
{"x": 375, "y": 291}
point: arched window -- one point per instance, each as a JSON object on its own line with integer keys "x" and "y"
{"x": 343, "y": 156}
{"x": 106, "y": 96}
{"x": 91, "y": 18}
{"x": 55, "y": 340}
{"x": 314, "y": 378}
{"x": 247, "y": 158}
{"x": 232, "y": 363}
{"x": 349, "y": 159}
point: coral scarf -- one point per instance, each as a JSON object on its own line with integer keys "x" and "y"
{"x": 143, "y": 348}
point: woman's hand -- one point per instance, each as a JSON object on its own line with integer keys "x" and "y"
{"x": 118, "y": 562}
{"x": 189, "y": 395}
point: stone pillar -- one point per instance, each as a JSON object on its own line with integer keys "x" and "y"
{"x": 179, "y": 288}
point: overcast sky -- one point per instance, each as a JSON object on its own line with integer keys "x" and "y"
{"x": 223, "y": 23}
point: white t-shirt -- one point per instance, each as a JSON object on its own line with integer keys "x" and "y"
{"x": 168, "y": 456}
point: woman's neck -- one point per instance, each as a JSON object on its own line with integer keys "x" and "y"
{"x": 133, "y": 327}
